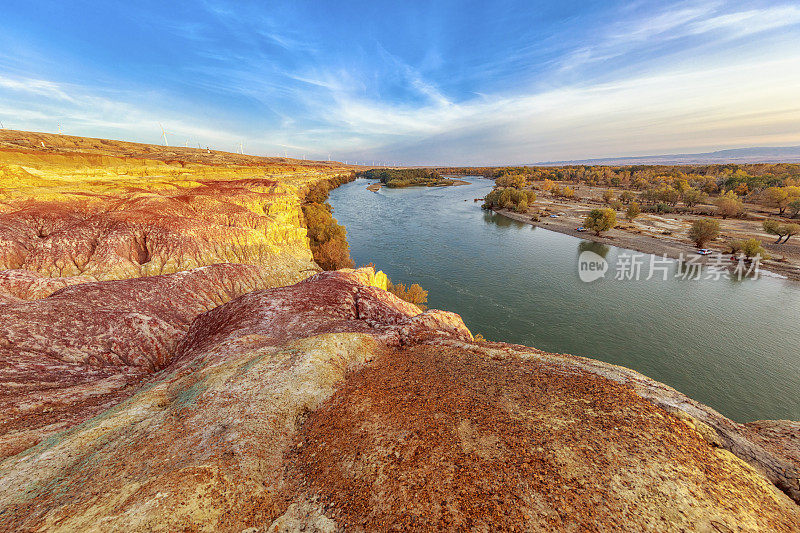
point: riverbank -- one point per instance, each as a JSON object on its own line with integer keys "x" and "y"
{"x": 650, "y": 234}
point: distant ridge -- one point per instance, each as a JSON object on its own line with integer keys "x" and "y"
{"x": 773, "y": 154}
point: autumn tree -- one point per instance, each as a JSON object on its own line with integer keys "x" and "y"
{"x": 783, "y": 231}
{"x": 749, "y": 248}
{"x": 692, "y": 197}
{"x": 414, "y": 293}
{"x": 327, "y": 238}
{"x": 704, "y": 230}
{"x": 600, "y": 220}
{"x": 729, "y": 205}
{"x": 511, "y": 180}
{"x": 793, "y": 208}
{"x": 608, "y": 196}
{"x": 776, "y": 197}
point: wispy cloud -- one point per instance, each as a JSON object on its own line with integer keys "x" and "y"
{"x": 642, "y": 77}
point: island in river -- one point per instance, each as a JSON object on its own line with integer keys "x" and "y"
{"x": 398, "y": 178}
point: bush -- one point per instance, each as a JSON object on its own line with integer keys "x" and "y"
{"x": 414, "y": 293}
{"x": 704, "y": 230}
{"x": 750, "y": 248}
{"x": 327, "y": 238}
{"x": 633, "y": 211}
{"x": 626, "y": 197}
{"x": 600, "y": 220}
{"x": 608, "y": 196}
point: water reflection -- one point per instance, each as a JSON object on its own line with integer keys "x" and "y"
{"x": 596, "y": 247}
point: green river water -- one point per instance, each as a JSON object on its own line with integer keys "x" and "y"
{"x": 733, "y": 345}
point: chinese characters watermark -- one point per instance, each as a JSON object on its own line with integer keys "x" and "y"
{"x": 635, "y": 266}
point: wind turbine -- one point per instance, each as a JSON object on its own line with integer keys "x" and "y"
{"x": 1, "y": 125}
{"x": 164, "y": 134}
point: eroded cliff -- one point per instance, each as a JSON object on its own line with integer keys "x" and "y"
{"x": 233, "y": 392}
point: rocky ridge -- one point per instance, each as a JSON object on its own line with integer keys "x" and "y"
{"x": 221, "y": 388}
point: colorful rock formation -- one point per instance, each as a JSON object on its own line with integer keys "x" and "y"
{"x": 233, "y": 392}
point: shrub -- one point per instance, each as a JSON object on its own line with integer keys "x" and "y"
{"x": 414, "y": 293}
{"x": 600, "y": 220}
{"x": 633, "y": 211}
{"x": 704, "y": 230}
{"x": 626, "y": 197}
{"x": 750, "y": 248}
{"x": 608, "y": 196}
{"x": 327, "y": 238}
{"x": 616, "y": 205}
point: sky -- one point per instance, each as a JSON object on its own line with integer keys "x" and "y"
{"x": 418, "y": 83}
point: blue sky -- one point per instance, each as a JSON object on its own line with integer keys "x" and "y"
{"x": 409, "y": 82}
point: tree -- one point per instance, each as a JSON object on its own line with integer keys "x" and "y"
{"x": 793, "y": 207}
{"x": 516, "y": 181}
{"x": 608, "y": 196}
{"x": 327, "y": 239}
{"x": 626, "y": 197}
{"x": 414, "y": 294}
{"x": 791, "y": 229}
{"x": 669, "y": 196}
{"x": 776, "y": 197}
{"x": 681, "y": 186}
{"x": 692, "y": 197}
{"x": 633, "y": 211}
{"x": 729, "y": 205}
{"x": 775, "y": 227}
{"x": 600, "y": 220}
{"x": 750, "y": 248}
{"x": 704, "y": 230}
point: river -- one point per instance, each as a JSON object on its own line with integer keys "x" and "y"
{"x": 733, "y": 345}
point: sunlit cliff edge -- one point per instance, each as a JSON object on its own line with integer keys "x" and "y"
{"x": 171, "y": 358}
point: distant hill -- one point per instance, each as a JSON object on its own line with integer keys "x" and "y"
{"x": 774, "y": 154}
